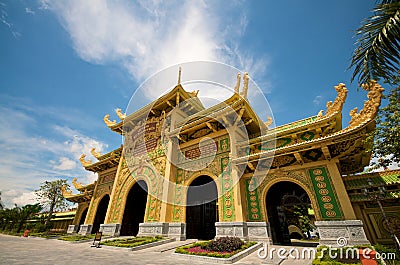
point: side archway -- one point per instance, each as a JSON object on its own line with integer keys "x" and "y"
{"x": 100, "y": 213}
{"x": 285, "y": 202}
{"x": 135, "y": 208}
{"x": 201, "y": 209}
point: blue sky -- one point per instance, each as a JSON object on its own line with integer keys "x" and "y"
{"x": 65, "y": 64}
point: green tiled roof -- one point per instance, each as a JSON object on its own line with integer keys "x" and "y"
{"x": 378, "y": 178}
{"x": 356, "y": 197}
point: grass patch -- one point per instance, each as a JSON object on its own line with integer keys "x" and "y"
{"x": 199, "y": 249}
{"x": 131, "y": 242}
{"x": 75, "y": 238}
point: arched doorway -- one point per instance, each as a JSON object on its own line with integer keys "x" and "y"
{"x": 201, "y": 209}
{"x": 288, "y": 209}
{"x": 83, "y": 217}
{"x": 135, "y": 209}
{"x": 101, "y": 213}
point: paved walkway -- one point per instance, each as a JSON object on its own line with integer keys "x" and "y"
{"x": 32, "y": 250}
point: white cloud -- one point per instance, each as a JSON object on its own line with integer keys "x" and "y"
{"x": 318, "y": 100}
{"x": 25, "y": 198}
{"x": 29, "y": 11}
{"x": 30, "y": 158}
{"x": 65, "y": 164}
{"x": 147, "y": 36}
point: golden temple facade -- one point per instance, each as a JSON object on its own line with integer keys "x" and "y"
{"x": 153, "y": 187}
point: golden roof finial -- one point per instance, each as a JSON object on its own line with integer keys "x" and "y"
{"x": 84, "y": 162}
{"x": 108, "y": 122}
{"x": 236, "y": 89}
{"x": 269, "y": 121}
{"x": 65, "y": 191}
{"x": 121, "y": 115}
{"x": 77, "y": 185}
{"x": 371, "y": 105}
{"x": 179, "y": 75}
{"x": 94, "y": 153}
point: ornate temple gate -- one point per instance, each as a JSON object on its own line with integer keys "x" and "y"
{"x": 312, "y": 153}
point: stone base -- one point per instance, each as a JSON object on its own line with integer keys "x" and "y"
{"x": 253, "y": 231}
{"x": 259, "y": 231}
{"x": 341, "y": 233}
{"x": 237, "y": 229}
{"x": 110, "y": 229}
{"x": 177, "y": 231}
{"x": 85, "y": 230}
{"x": 153, "y": 229}
{"x": 72, "y": 229}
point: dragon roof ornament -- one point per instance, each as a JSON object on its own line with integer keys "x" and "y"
{"x": 371, "y": 106}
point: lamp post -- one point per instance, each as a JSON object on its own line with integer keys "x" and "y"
{"x": 378, "y": 195}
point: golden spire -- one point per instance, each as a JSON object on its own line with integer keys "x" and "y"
{"x": 245, "y": 84}
{"x": 237, "y": 84}
{"x": 179, "y": 75}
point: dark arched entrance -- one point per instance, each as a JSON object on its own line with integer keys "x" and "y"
{"x": 286, "y": 202}
{"x": 83, "y": 217}
{"x": 101, "y": 213}
{"x": 135, "y": 208}
{"x": 201, "y": 209}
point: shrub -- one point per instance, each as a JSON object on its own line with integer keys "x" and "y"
{"x": 225, "y": 244}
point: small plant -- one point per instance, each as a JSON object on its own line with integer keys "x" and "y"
{"x": 225, "y": 244}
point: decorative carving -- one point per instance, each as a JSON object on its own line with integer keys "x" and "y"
{"x": 269, "y": 121}
{"x": 337, "y": 105}
{"x": 77, "y": 185}
{"x": 94, "y": 153}
{"x": 108, "y": 122}
{"x": 84, "y": 162}
{"x": 371, "y": 106}
{"x": 65, "y": 191}
{"x": 121, "y": 115}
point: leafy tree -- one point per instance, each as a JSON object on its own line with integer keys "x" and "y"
{"x": 27, "y": 212}
{"x": 377, "y": 55}
{"x": 377, "y": 58}
{"x": 386, "y": 137}
{"x": 50, "y": 196}
{"x": 301, "y": 211}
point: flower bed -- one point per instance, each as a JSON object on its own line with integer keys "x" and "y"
{"x": 131, "y": 242}
{"x": 220, "y": 248}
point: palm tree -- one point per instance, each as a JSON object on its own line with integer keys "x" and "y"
{"x": 377, "y": 55}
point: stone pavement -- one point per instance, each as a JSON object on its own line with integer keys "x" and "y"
{"x": 32, "y": 250}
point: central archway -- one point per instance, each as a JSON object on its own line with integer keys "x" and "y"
{"x": 201, "y": 209}
{"x": 101, "y": 213}
{"x": 286, "y": 202}
{"x": 135, "y": 209}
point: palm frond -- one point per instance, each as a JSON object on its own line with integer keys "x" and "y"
{"x": 377, "y": 55}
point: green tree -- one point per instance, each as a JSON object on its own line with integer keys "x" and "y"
{"x": 377, "y": 58}
{"x": 27, "y": 212}
{"x": 386, "y": 137}
{"x": 377, "y": 54}
{"x": 50, "y": 196}
{"x": 301, "y": 211}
